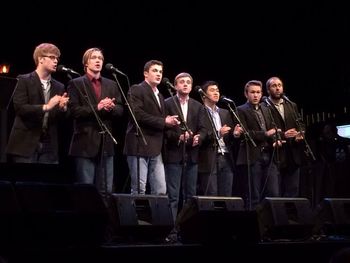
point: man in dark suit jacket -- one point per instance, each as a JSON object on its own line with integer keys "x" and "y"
{"x": 145, "y": 160}
{"x": 262, "y": 176}
{"x": 39, "y": 101}
{"x": 286, "y": 115}
{"x": 92, "y": 143}
{"x": 181, "y": 145}
{"x": 215, "y": 166}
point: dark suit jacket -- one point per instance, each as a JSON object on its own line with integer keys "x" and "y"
{"x": 173, "y": 150}
{"x": 207, "y": 151}
{"x": 291, "y": 150}
{"x": 151, "y": 119}
{"x": 248, "y": 117}
{"x": 28, "y": 101}
{"x": 86, "y": 140}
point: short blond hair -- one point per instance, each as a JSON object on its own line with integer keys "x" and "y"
{"x": 43, "y": 50}
{"x": 182, "y": 75}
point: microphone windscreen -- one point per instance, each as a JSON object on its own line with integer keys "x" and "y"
{"x": 197, "y": 88}
{"x": 165, "y": 80}
{"x": 108, "y": 66}
{"x": 222, "y": 98}
{"x": 60, "y": 68}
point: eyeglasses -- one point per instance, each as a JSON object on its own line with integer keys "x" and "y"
{"x": 52, "y": 57}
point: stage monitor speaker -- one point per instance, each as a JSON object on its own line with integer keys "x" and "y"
{"x": 7, "y": 87}
{"x": 285, "y": 219}
{"x": 332, "y": 217}
{"x": 217, "y": 220}
{"x": 142, "y": 217}
{"x": 9, "y": 214}
{"x": 61, "y": 215}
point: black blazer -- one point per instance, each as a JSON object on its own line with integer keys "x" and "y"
{"x": 207, "y": 151}
{"x": 291, "y": 150}
{"x": 250, "y": 122}
{"x": 86, "y": 139}
{"x": 28, "y": 101}
{"x": 151, "y": 119}
{"x": 173, "y": 150}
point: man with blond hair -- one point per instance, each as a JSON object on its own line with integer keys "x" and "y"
{"x": 39, "y": 101}
{"x": 95, "y": 104}
{"x": 181, "y": 145}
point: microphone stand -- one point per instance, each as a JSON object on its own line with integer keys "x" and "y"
{"x": 301, "y": 128}
{"x": 246, "y": 133}
{"x": 277, "y": 137}
{"x": 184, "y": 129}
{"x": 103, "y": 132}
{"x": 216, "y": 143}
{"x": 13, "y": 92}
{"x": 308, "y": 151}
{"x": 246, "y": 138}
{"x": 275, "y": 149}
{"x": 138, "y": 132}
{"x": 308, "y": 148}
{"x": 4, "y": 116}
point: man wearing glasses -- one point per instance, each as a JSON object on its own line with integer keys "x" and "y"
{"x": 39, "y": 101}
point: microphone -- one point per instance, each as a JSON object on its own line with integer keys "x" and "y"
{"x": 166, "y": 82}
{"x": 111, "y": 68}
{"x": 283, "y": 96}
{"x": 225, "y": 99}
{"x": 200, "y": 91}
{"x": 266, "y": 100}
{"x": 61, "y": 68}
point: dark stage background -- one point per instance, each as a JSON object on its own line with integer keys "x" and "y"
{"x": 303, "y": 42}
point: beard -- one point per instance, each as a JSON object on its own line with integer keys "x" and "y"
{"x": 276, "y": 96}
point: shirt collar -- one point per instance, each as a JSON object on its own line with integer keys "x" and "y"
{"x": 215, "y": 110}
{"x": 254, "y": 107}
{"x": 92, "y": 78}
{"x": 281, "y": 101}
{"x": 183, "y": 100}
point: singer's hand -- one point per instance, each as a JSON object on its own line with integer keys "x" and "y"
{"x": 107, "y": 104}
{"x": 186, "y": 137}
{"x": 299, "y": 136}
{"x": 270, "y": 133}
{"x": 274, "y": 132}
{"x": 195, "y": 141}
{"x": 55, "y": 100}
{"x": 224, "y": 130}
{"x": 278, "y": 143}
{"x": 291, "y": 133}
{"x": 63, "y": 102}
{"x": 172, "y": 121}
{"x": 237, "y": 131}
